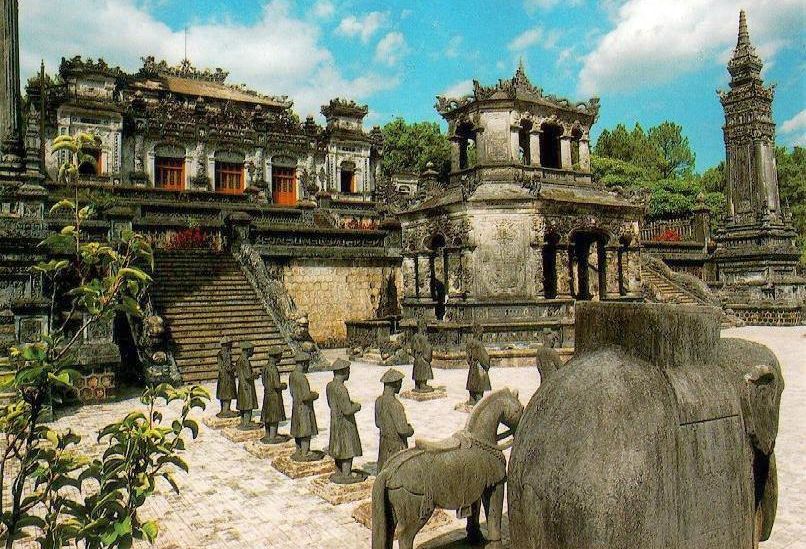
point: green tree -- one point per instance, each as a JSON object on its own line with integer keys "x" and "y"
{"x": 792, "y": 189}
{"x": 408, "y": 147}
{"x": 671, "y": 150}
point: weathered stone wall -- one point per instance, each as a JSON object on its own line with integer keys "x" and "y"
{"x": 332, "y": 291}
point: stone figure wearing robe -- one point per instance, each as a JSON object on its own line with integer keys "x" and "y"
{"x": 422, "y": 352}
{"x": 390, "y": 418}
{"x": 247, "y": 396}
{"x": 303, "y": 416}
{"x": 226, "y": 389}
{"x": 273, "y": 411}
{"x": 345, "y": 443}
{"x": 478, "y": 363}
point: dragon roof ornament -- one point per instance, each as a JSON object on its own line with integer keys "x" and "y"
{"x": 344, "y": 107}
{"x": 520, "y": 88}
{"x": 77, "y": 64}
{"x": 152, "y": 68}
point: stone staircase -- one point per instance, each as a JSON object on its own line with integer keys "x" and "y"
{"x": 203, "y": 296}
{"x": 666, "y": 291}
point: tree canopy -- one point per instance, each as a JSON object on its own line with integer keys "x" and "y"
{"x": 409, "y": 147}
{"x": 660, "y": 160}
{"x": 792, "y": 189}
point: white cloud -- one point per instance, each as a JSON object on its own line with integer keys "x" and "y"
{"x": 653, "y": 42}
{"x": 391, "y": 48}
{"x": 277, "y": 54}
{"x": 364, "y": 26}
{"x": 533, "y": 36}
{"x": 459, "y": 89}
{"x": 323, "y": 9}
{"x": 454, "y": 47}
{"x": 795, "y": 129}
{"x": 535, "y": 5}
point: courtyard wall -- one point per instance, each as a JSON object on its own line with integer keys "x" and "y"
{"x": 334, "y": 291}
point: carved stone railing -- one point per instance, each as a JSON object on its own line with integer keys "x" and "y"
{"x": 681, "y": 226}
{"x": 683, "y": 282}
{"x": 278, "y": 303}
{"x": 153, "y": 353}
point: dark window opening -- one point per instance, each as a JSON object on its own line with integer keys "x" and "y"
{"x": 91, "y": 163}
{"x": 524, "y": 143}
{"x": 467, "y": 146}
{"x": 347, "y": 181}
{"x": 550, "y": 267}
{"x": 550, "y": 146}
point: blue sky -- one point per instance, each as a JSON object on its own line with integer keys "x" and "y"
{"x": 648, "y": 60}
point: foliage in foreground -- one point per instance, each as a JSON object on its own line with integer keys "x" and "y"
{"x": 45, "y": 482}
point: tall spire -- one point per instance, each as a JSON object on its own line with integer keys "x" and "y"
{"x": 744, "y": 36}
{"x": 10, "y": 104}
{"x": 745, "y": 64}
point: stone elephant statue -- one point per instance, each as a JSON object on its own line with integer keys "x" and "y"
{"x": 657, "y": 434}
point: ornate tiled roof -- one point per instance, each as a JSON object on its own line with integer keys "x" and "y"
{"x": 520, "y": 88}
{"x": 344, "y": 107}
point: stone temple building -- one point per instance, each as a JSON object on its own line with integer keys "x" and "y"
{"x": 520, "y": 231}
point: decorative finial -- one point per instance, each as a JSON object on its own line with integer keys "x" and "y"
{"x": 744, "y": 35}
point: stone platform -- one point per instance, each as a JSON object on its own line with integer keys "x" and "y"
{"x": 499, "y": 358}
{"x": 363, "y": 515}
{"x": 236, "y": 435}
{"x": 338, "y": 494}
{"x": 463, "y": 407}
{"x": 215, "y": 422}
{"x": 300, "y": 469}
{"x": 440, "y": 391}
{"x": 270, "y": 451}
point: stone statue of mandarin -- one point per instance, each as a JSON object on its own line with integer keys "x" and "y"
{"x": 478, "y": 363}
{"x": 226, "y": 390}
{"x": 273, "y": 411}
{"x": 345, "y": 444}
{"x": 422, "y": 353}
{"x": 303, "y": 417}
{"x": 390, "y": 418}
{"x": 247, "y": 396}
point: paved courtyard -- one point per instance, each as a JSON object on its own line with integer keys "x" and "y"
{"x": 233, "y": 499}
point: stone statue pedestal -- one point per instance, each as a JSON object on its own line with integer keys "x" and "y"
{"x": 235, "y": 434}
{"x": 363, "y": 515}
{"x": 464, "y": 407}
{"x": 337, "y": 494}
{"x": 269, "y": 451}
{"x": 439, "y": 392}
{"x": 215, "y": 422}
{"x": 300, "y": 469}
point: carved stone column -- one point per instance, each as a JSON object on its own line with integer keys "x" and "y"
{"x": 611, "y": 273}
{"x": 584, "y": 155}
{"x": 515, "y": 143}
{"x": 565, "y": 152}
{"x": 10, "y": 104}
{"x": 564, "y": 271}
{"x": 407, "y": 271}
{"x": 423, "y": 276}
{"x": 534, "y": 146}
{"x": 455, "y": 273}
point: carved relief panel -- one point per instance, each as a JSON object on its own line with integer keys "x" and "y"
{"x": 503, "y": 260}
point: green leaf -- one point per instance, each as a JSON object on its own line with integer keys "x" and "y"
{"x": 170, "y": 478}
{"x": 124, "y": 527}
{"x": 63, "y": 204}
{"x": 150, "y": 530}
{"x": 193, "y": 426}
{"x": 132, "y": 272}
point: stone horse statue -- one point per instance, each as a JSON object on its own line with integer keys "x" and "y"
{"x": 461, "y": 472}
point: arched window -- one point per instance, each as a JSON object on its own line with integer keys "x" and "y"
{"x": 347, "y": 183}
{"x": 550, "y": 146}
{"x": 169, "y": 167}
{"x": 92, "y": 165}
{"x": 229, "y": 172}
{"x": 524, "y": 142}
{"x": 467, "y": 145}
{"x": 284, "y": 180}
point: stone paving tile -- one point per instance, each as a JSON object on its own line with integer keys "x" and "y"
{"x": 232, "y": 499}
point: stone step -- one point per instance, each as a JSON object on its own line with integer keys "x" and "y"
{"x": 232, "y": 318}
{"x": 222, "y": 314}
{"x": 210, "y": 293}
{"x": 253, "y": 333}
{"x": 201, "y": 286}
{"x": 235, "y": 297}
{"x": 261, "y": 350}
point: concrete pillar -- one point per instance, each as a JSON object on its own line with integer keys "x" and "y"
{"x": 584, "y": 155}
{"x": 534, "y": 146}
{"x": 10, "y": 103}
{"x": 408, "y": 270}
{"x": 514, "y": 144}
{"x": 565, "y": 152}
{"x": 454, "y": 273}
